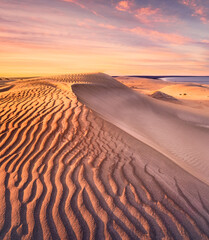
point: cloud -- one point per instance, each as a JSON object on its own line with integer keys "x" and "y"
{"x": 75, "y": 2}
{"x": 123, "y": 6}
{"x": 92, "y": 24}
{"x": 199, "y": 10}
{"x": 146, "y": 14}
{"x": 148, "y": 11}
{"x": 129, "y": 36}
{"x": 149, "y": 15}
{"x": 84, "y": 5}
{"x": 205, "y": 41}
{"x": 107, "y": 26}
{"x": 154, "y": 35}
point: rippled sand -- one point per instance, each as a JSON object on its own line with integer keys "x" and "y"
{"x": 84, "y": 157}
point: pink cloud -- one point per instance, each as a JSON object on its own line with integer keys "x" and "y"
{"x": 187, "y": 2}
{"x": 160, "y": 36}
{"x": 198, "y": 10}
{"x": 123, "y": 6}
{"x": 90, "y": 23}
{"x": 107, "y": 26}
{"x": 147, "y": 33}
{"x": 148, "y": 11}
{"x": 145, "y": 15}
{"x": 205, "y": 41}
{"x": 148, "y": 15}
{"x": 75, "y": 2}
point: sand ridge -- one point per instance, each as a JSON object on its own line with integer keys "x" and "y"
{"x": 66, "y": 173}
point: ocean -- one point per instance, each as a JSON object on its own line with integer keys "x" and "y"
{"x": 189, "y": 79}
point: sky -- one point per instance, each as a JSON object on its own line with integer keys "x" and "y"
{"x": 133, "y": 37}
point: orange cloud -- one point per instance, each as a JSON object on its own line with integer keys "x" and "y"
{"x": 123, "y": 6}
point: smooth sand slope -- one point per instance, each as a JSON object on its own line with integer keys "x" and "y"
{"x": 190, "y": 94}
{"x": 66, "y": 173}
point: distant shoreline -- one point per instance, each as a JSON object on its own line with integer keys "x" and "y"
{"x": 178, "y": 79}
{"x": 157, "y": 77}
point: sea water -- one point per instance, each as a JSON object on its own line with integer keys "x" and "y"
{"x": 201, "y": 80}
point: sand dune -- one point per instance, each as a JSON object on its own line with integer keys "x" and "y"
{"x": 84, "y": 157}
{"x": 188, "y": 91}
{"x": 164, "y": 97}
{"x": 190, "y": 94}
{"x": 177, "y": 132}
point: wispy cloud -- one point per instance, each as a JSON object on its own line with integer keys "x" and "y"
{"x": 75, "y": 2}
{"x": 114, "y": 36}
{"x": 160, "y": 36}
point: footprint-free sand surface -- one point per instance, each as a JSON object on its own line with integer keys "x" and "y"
{"x": 85, "y": 157}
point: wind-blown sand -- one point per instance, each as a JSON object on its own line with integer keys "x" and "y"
{"x": 85, "y": 157}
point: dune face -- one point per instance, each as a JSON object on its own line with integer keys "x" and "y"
{"x": 177, "y": 132}
{"x": 67, "y": 173}
{"x": 164, "y": 97}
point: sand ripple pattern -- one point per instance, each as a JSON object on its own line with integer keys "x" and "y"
{"x": 67, "y": 174}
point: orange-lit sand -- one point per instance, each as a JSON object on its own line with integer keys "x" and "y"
{"x": 190, "y": 94}
{"x": 84, "y": 157}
